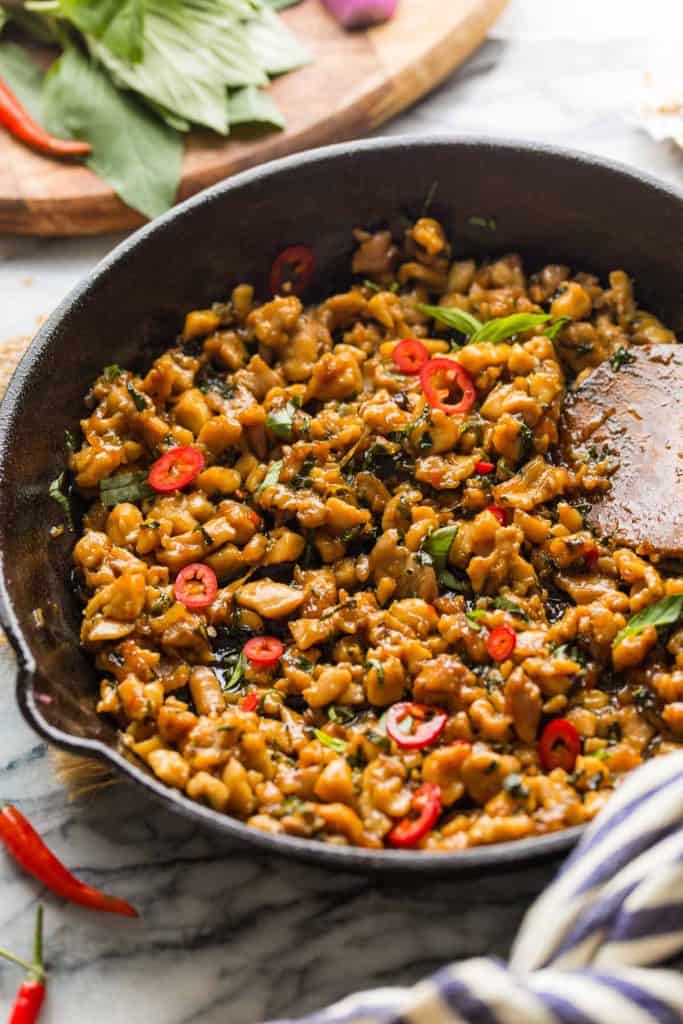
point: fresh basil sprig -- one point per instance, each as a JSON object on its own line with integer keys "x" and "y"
{"x": 125, "y": 487}
{"x": 496, "y": 330}
{"x": 665, "y": 612}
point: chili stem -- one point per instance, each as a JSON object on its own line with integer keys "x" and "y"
{"x": 38, "y": 944}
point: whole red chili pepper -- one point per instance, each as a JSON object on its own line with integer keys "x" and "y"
{"x": 28, "y": 849}
{"x": 19, "y": 123}
{"x": 31, "y": 994}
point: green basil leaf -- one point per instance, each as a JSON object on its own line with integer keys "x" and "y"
{"x": 340, "y": 714}
{"x": 250, "y": 105}
{"x": 277, "y": 49}
{"x": 510, "y": 606}
{"x": 236, "y": 676}
{"x": 504, "y": 327}
{"x": 552, "y": 330}
{"x": 281, "y": 421}
{"x": 112, "y": 372}
{"x": 57, "y": 494}
{"x": 663, "y": 613}
{"x": 117, "y": 24}
{"x": 272, "y": 477}
{"x": 438, "y": 545}
{"x": 474, "y": 617}
{"x": 452, "y": 317}
{"x": 24, "y": 78}
{"x": 339, "y": 746}
{"x": 133, "y": 150}
{"x": 125, "y": 487}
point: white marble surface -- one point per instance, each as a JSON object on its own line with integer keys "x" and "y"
{"x": 226, "y": 936}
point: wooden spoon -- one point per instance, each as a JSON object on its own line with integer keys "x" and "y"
{"x": 633, "y": 415}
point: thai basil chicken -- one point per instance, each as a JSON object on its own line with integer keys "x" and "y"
{"x": 340, "y": 579}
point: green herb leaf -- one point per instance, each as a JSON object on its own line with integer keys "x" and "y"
{"x": 665, "y": 612}
{"x": 622, "y": 357}
{"x": 24, "y": 78}
{"x": 339, "y": 714}
{"x": 482, "y": 222}
{"x": 504, "y": 327}
{"x": 272, "y": 477}
{"x": 136, "y": 153}
{"x": 438, "y": 545}
{"x": 281, "y": 421}
{"x": 236, "y": 676}
{"x": 57, "y": 494}
{"x": 339, "y": 746}
{"x": 125, "y": 487}
{"x": 254, "y": 106}
{"x": 371, "y": 285}
{"x": 474, "y": 617}
{"x": 452, "y": 317}
{"x": 552, "y": 330}
{"x": 139, "y": 400}
{"x": 379, "y": 669}
{"x": 112, "y": 372}
{"x": 117, "y": 24}
{"x": 510, "y": 606}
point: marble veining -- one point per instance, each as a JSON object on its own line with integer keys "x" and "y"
{"x": 227, "y": 935}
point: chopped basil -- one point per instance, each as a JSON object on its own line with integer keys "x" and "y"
{"x": 554, "y": 329}
{"x": 379, "y": 739}
{"x": 570, "y": 652}
{"x": 438, "y": 545}
{"x": 57, "y": 494}
{"x": 474, "y": 617}
{"x": 663, "y": 613}
{"x": 304, "y": 665}
{"x": 622, "y": 357}
{"x": 506, "y": 605}
{"x": 281, "y": 421}
{"x": 451, "y": 316}
{"x": 645, "y": 699}
{"x": 513, "y": 785}
{"x": 339, "y": 714}
{"x": 371, "y": 285}
{"x": 379, "y": 669}
{"x": 339, "y": 746}
{"x": 210, "y": 380}
{"x": 125, "y": 487}
{"x": 112, "y": 372}
{"x": 272, "y": 476}
{"x": 139, "y": 400}
{"x": 236, "y": 677}
{"x": 161, "y": 604}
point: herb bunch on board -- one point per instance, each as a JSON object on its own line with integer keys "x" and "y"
{"x": 131, "y": 77}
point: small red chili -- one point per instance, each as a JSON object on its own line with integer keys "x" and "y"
{"x": 426, "y": 808}
{"x": 501, "y": 643}
{"x": 501, "y": 514}
{"x": 438, "y": 377}
{"x": 30, "y": 852}
{"x": 31, "y": 994}
{"x": 559, "y": 745}
{"x": 176, "y": 468}
{"x": 196, "y": 585}
{"x": 264, "y": 650}
{"x": 483, "y": 467}
{"x": 292, "y": 268}
{"x": 426, "y": 729}
{"x": 19, "y": 123}
{"x": 590, "y": 556}
{"x": 410, "y": 356}
{"x": 250, "y": 702}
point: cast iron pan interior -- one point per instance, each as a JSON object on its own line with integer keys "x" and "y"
{"x": 549, "y": 205}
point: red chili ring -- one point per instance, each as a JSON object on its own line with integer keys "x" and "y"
{"x": 196, "y": 585}
{"x": 453, "y": 373}
{"x": 425, "y": 733}
{"x": 559, "y": 745}
{"x": 250, "y": 702}
{"x": 410, "y": 355}
{"x": 483, "y": 467}
{"x": 409, "y": 831}
{"x": 501, "y": 643}
{"x": 501, "y": 514}
{"x": 264, "y": 650}
{"x": 176, "y": 468}
{"x": 300, "y": 260}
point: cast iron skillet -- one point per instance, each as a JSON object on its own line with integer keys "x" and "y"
{"x": 550, "y": 205}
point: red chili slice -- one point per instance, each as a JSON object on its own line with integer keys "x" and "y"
{"x": 501, "y": 514}
{"x": 293, "y": 267}
{"x": 590, "y": 557}
{"x": 250, "y": 702}
{"x": 426, "y": 808}
{"x": 196, "y": 585}
{"x": 483, "y": 467}
{"x": 176, "y": 468}
{"x": 410, "y": 356}
{"x": 264, "y": 650}
{"x": 501, "y": 643}
{"x": 438, "y": 377}
{"x": 423, "y": 731}
{"x": 559, "y": 745}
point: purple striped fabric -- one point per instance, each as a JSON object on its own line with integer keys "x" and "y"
{"x": 602, "y": 945}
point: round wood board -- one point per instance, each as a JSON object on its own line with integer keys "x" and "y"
{"x": 356, "y": 81}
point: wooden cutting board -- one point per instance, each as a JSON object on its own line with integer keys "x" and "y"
{"x": 356, "y": 82}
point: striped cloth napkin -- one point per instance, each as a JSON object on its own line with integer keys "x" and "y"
{"x": 602, "y": 945}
